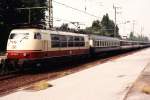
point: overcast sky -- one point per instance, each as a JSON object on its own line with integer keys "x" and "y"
{"x": 136, "y": 11}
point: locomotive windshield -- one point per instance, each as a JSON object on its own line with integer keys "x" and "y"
{"x": 19, "y": 36}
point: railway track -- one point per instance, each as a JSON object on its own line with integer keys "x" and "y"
{"x": 9, "y": 76}
{"x": 14, "y": 82}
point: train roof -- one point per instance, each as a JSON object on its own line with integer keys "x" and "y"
{"x": 67, "y": 33}
{"x": 97, "y": 37}
{"x": 32, "y": 30}
{"x": 134, "y": 41}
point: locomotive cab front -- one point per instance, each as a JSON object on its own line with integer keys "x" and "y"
{"x": 23, "y": 44}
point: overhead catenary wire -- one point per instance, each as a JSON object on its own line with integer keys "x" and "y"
{"x": 75, "y": 9}
{"x": 56, "y": 18}
{"x": 75, "y": 23}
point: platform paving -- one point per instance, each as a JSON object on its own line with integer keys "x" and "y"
{"x": 108, "y": 81}
{"x": 140, "y": 90}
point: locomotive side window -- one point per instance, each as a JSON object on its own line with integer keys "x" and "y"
{"x": 82, "y": 42}
{"x": 70, "y": 41}
{"x": 76, "y": 41}
{"x": 55, "y": 40}
{"x": 63, "y": 41}
{"x": 37, "y": 36}
{"x": 67, "y": 41}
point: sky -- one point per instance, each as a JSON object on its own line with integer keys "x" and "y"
{"x": 132, "y": 14}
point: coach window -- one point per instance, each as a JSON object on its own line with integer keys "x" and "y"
{"x": 76, "y": 41}
{"x": 106, "y": 44}
{"x": 82, "y": 42}
{"x": 96, "y": 43}
{"x": 37, "y": 36}
{"x": 114, "y": 43}
{"x": 101, "y": 43}
{"x": 70, "y": 41}
{"x": 55, "y": 41}
{"x": 109, "y": 43}
{"x": 63, "y": 41}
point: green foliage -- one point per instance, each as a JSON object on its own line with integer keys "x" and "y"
{"x": 37, "y": 15}
{"x": 104, "y": 27}
{"x": 138, "y": 38}
{"x": 95, "y": 28}
{"x": 64, "y": 27}
{"x": 9, "y": 16}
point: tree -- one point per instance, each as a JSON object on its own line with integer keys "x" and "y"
{"x": 7, "y": 18}
{"x": 37, "y": 15}
{"x": 95, "y": 28}
{"x": 64, "y": 27}
{"x": 138, "y": 38}
{"x": 9, "y": 15}
{"x": 108, "y": 26}
{"x": 104, "y": 27}
{"x": 132, "y": 37}
{"x": 142, "y": 38}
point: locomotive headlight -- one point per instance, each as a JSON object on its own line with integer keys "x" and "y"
{"x": 6, "y": 54}
{"x": 24, "y": 54}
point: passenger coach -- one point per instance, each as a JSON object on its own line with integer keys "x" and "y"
{"x": 103, "y": 44}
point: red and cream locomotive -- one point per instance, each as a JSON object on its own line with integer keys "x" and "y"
{"x": 34, "y": 45}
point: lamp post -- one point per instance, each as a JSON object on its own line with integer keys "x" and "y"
{"x": 115, "y": 26}
{"x": 133, "y": 23}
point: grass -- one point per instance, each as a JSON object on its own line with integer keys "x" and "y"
{"x": 39, "y": 86}
{"x": 146, "y": 89}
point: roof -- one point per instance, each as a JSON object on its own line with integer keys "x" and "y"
{"x": 47, "y": 31}
{"x": 97, "y": 37}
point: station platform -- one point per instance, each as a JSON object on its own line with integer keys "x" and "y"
{"x": 108, "y": 81}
